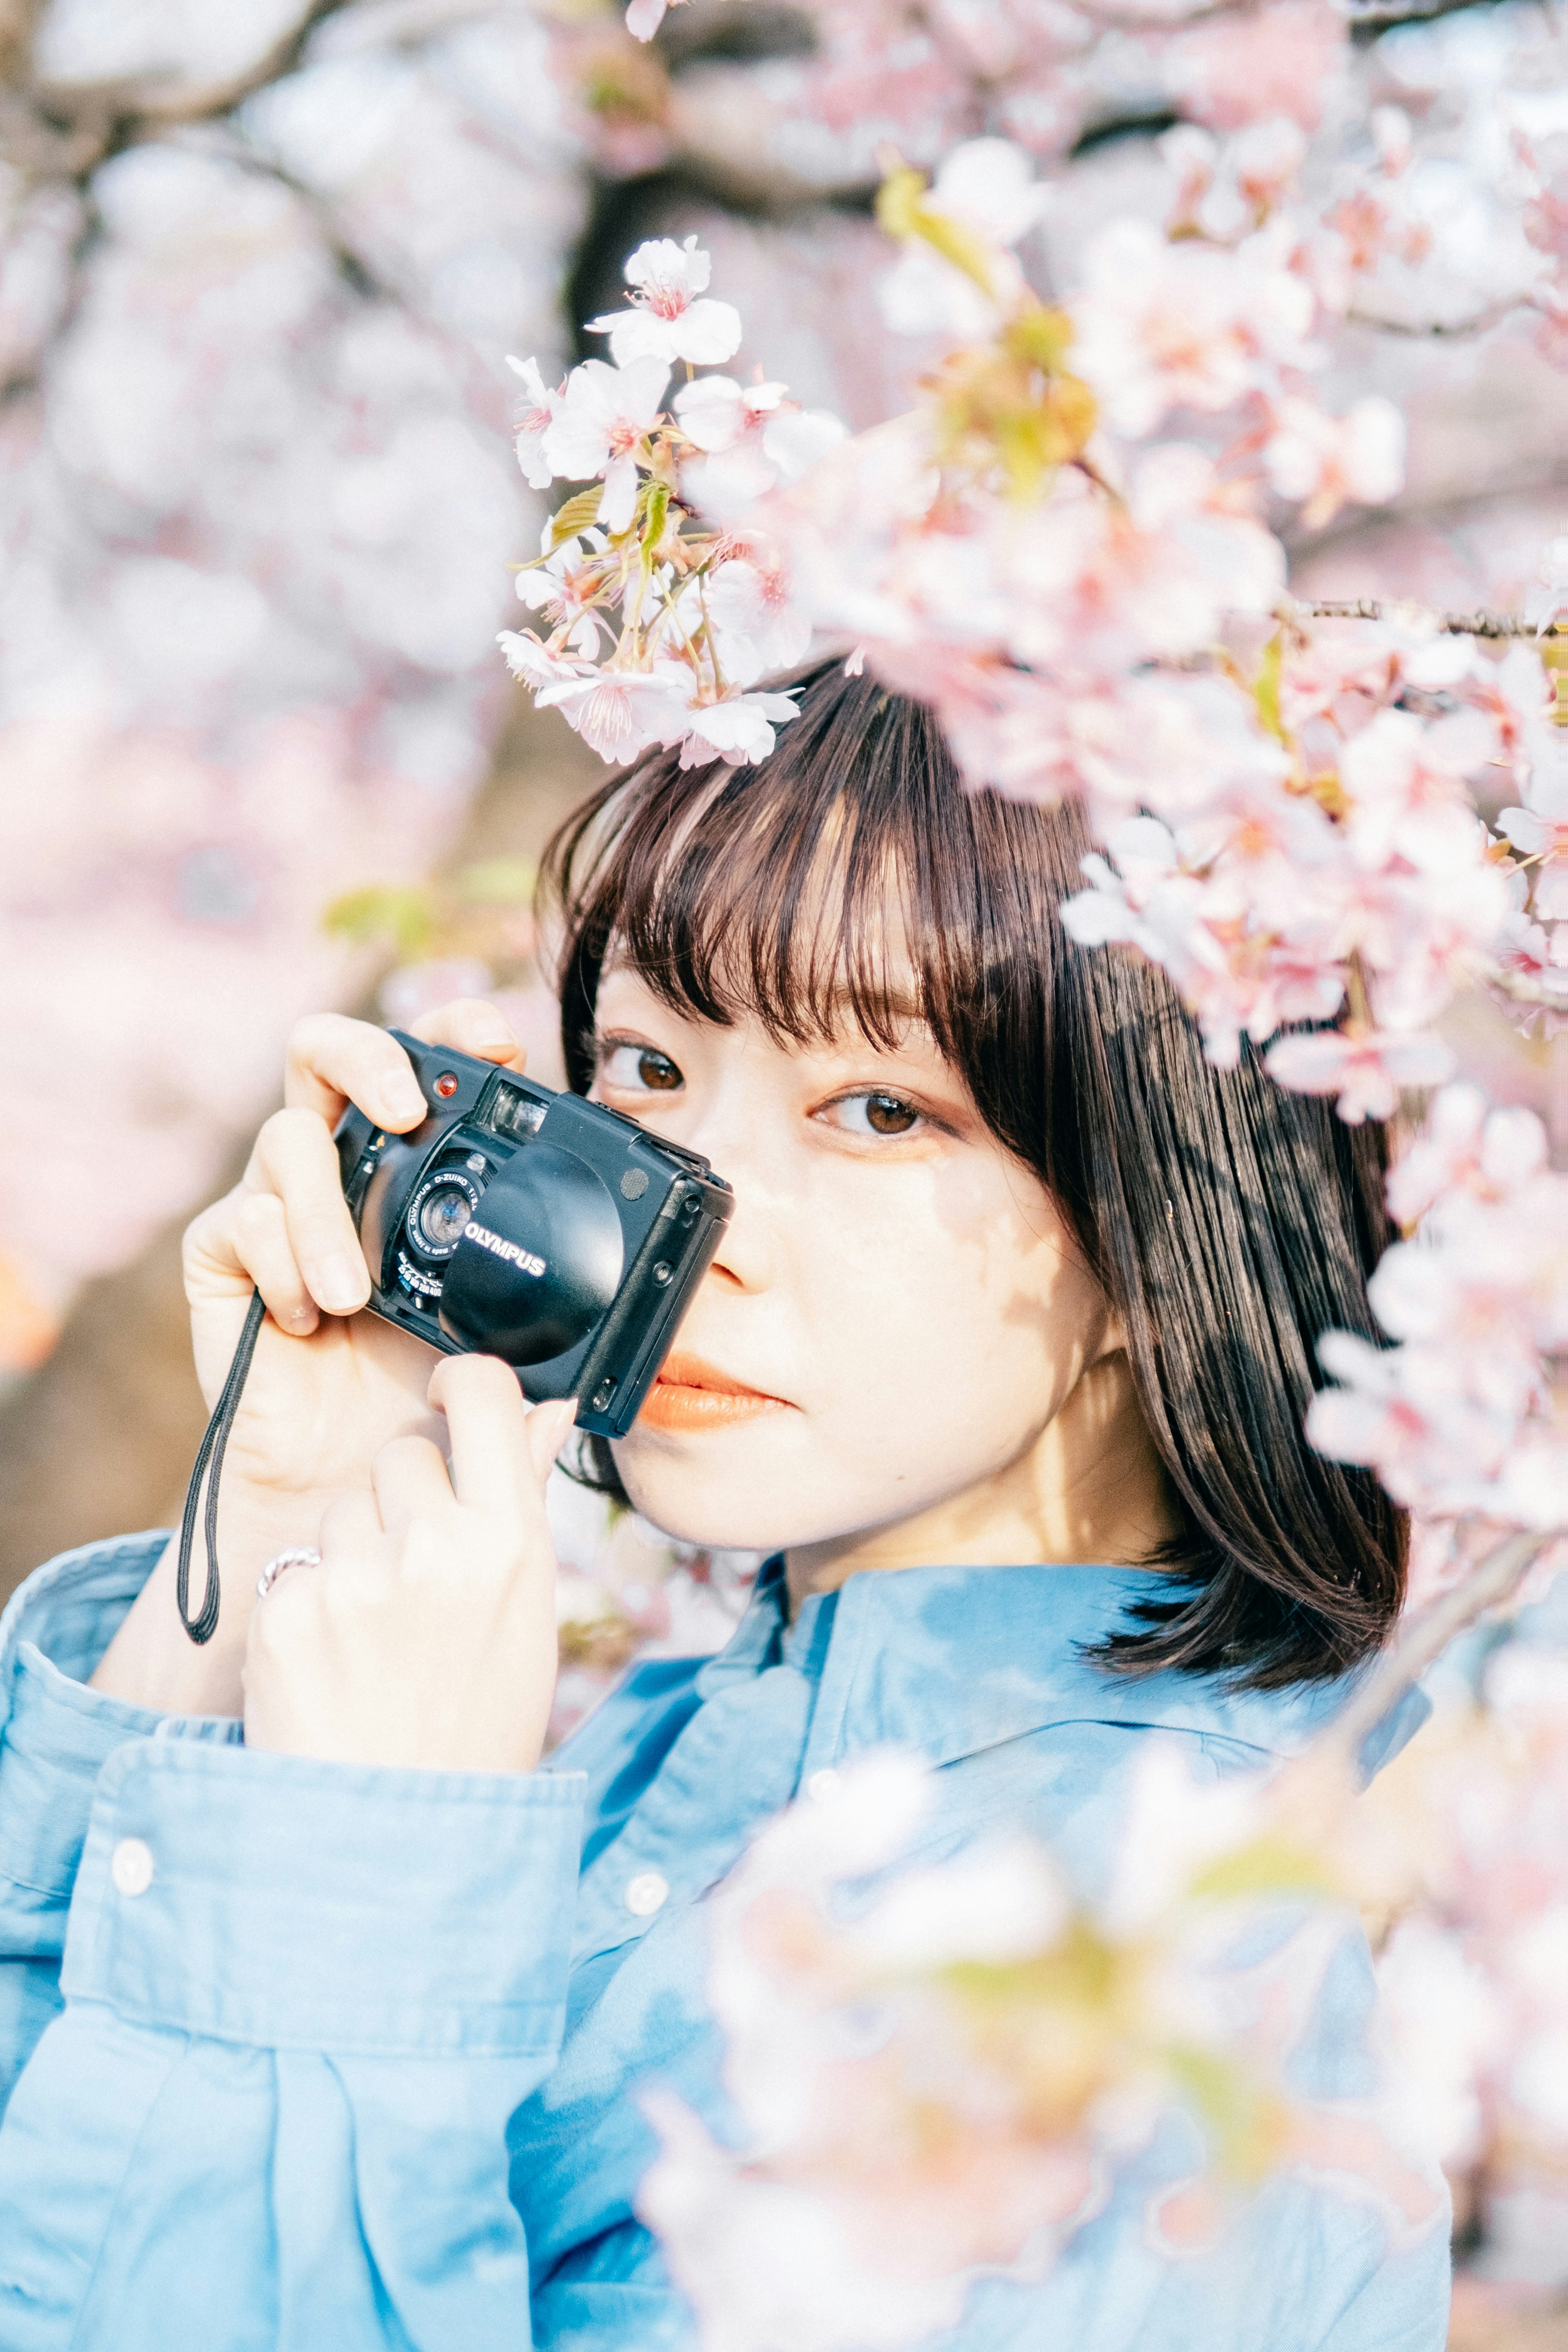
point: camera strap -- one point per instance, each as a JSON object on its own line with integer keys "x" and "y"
{"x": 209, "y": 1465}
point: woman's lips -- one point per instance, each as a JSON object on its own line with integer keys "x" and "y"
{"x": 692, "y": 1395}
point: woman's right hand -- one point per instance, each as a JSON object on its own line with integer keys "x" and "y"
{"x": 331, "y": 1384}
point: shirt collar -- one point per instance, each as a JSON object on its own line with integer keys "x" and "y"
{"x": 950, "y": 1660}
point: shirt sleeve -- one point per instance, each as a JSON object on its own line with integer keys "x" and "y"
{"x": 55, "y": 1737}
{"x": 298, "y": 2002}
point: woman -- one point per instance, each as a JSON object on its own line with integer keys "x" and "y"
{"x": 1003, "y": 1359}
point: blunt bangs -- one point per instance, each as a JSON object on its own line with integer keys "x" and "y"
{"x": 851, "y": 879}
{"x": 846, "y": 882}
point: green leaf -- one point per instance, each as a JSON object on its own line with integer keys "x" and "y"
{"x": 405, "y": 916}
{"x": 579, "y": 513}
{"x": 655, "y": 515}
{"x": 1266, "y": 691}
{"x": 1042, "y": 335}
{"x": 901, "y": 213}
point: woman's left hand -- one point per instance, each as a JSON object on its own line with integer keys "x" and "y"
{"x": 426, "y": 1636}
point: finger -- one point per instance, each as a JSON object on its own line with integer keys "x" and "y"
{"x": 294, "y": 1158}
{"x": 549, "y": 1425}
{"x": 411, "y": 1482}
{"x": 347, "y": 1527}
{"x": 332, "y": 1061}
{"x": 487, "y": 1426}
{"x": 275, "y": 1615}
{"x": 472, "y": 1026}
{"x": 259, "y": 1244}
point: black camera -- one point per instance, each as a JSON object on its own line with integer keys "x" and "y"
{"x": 534, "y": 1226}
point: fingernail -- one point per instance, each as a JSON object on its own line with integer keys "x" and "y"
{"x": 404, "y": 1098}
{"x": 566, "y": 1412}
{"x": 338, "y": 1285}
{"x": 493, "y": 1037}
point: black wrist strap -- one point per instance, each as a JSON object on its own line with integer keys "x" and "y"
{"x": 209, "y": 1465}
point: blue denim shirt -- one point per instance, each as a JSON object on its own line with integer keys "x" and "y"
{"x": 306, "y": 2057}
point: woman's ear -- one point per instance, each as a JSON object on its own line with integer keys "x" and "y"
{"x": 1112, "y": 1339}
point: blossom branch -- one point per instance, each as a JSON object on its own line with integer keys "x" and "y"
{"x": 1481, "y": 623}
{"x": 1423, "y": 1642}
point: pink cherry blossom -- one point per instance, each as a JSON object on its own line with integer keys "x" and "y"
{"x": 1365, "y": 1073}
{"x": 1547, "y": 604}
{"x": 1544, "y": 842}
{"x": 1320, "y": 461}
{"x": 986, "y": 186}
{"x": 749, "y": 439}
{"x": 619, "y": 713}
{"x": 564, "y": 588}
{"x": 962, "y": 2133}
{"x": 605, "y": 415}
{"x": 1283, "y": 60}
{"x": 644, "y": 18}
{"x": 1163, "y": 327}
{"x": 1406, "y": 782}
{"x": 1466, "y": 1145}
{"x": 670, "y": 317}
{"x": 715, "y": 411}
{"x": 737, "y": 727}
{"x": 534, "y": 424}
{"x": 746, "y": 602}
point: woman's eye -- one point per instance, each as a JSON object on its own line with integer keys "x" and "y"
{"x": 639, "y": 1068}
{"x": 876, "y": 1114}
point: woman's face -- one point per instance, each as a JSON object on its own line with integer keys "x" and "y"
{"x": 894, "y": 1318}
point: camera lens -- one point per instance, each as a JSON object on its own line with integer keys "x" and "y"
{"x": 442, "y": 1217}
{"x": 440, "y": 1211}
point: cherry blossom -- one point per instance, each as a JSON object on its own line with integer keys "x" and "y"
{"x": 564, "y": 587}
{"x": 1465, "y": 1143}
{"x": 957, "y": 277}
{"x": 670, "y": 317}
{"x": 644, "y": 18}
{"x": 1318, "y": 461}
{"x": 603, "y": 416}
{"x": 1543, "y": 841}
{"x": 1460, "y": 1416}
{"x": 618, "y": 712}
{"x": 757, "y": 624}
{"x": 1472, "y": 1975}
{"x": 737, "y": 727}
{"x": 656, "y": 632}
{"x": 955, "y": 2078}
{"x": 1366, "y": 1072}
{"x": 533, "y": 424}
{"x": 1165, "y": 326}
{"x": 745, "y": 440}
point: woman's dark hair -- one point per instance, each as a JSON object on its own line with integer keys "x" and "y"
{"x": 1228, "y": 1222}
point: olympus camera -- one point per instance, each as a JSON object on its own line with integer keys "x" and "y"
{"x": 535, "y": 1226}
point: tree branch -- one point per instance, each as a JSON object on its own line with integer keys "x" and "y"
{"x": 1421, "y": 1644}
{"x": 1481, "y": 623}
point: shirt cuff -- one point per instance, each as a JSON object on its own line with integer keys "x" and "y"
{"x": 280, "y": 1902}
{"x": 55, "y": 1733}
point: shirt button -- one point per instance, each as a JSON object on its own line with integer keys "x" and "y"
{"x": 646, "y": 1894}
{"x": 822, "y": 1785}
{"x": 131, "y": 1866}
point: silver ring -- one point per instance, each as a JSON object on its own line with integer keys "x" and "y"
{"x": 297, "y": 1555}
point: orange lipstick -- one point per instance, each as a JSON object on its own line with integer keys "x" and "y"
{"x": 692, "y": 1395}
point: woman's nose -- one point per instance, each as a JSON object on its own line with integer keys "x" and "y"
{"x": 747, "y": 1256}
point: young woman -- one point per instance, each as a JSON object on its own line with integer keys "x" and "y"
{"x": 1003, "y": 1359}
